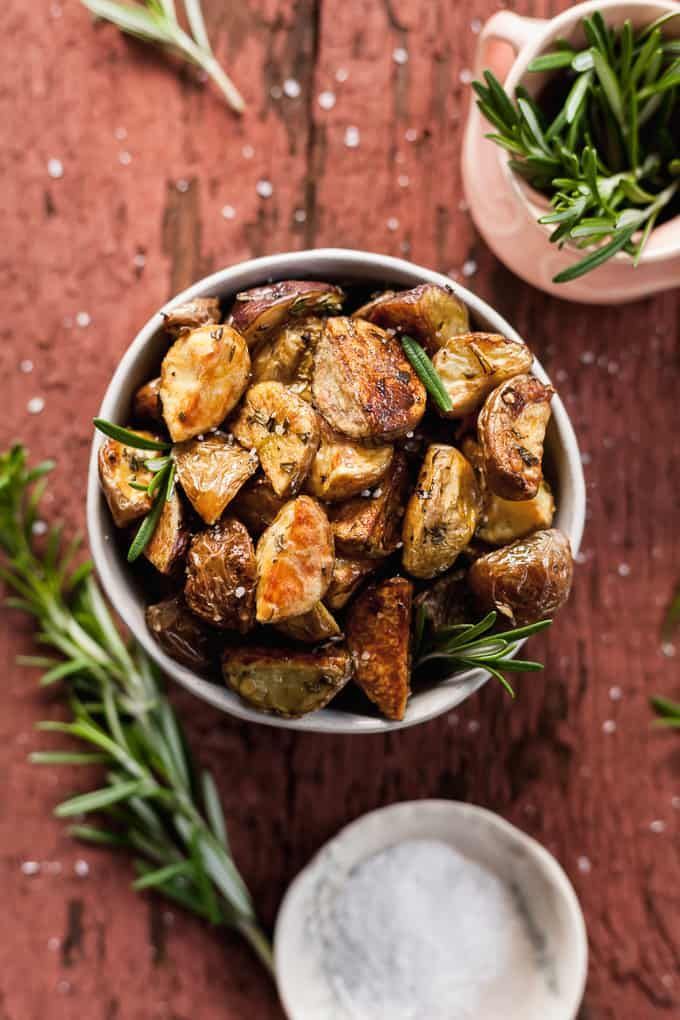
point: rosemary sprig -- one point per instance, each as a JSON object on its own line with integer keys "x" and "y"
{"x": 156, "y": 21}
{"x": 667, "y": 712}
{"x": 426, "y": 372}
{"x": 152, "y": 801}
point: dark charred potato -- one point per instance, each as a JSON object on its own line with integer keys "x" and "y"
{"x": 118, "y": 466}
{"x": 203, "y": 377}
{"x": 511, "y": 431}
{"x": 346, "y": 577}
{"x": 316, "y": 625}
{"x": 211, "y": 471}
{"x": 256, "y": 504}
{"x": 363, "y": 384}
{"x": 473, "y": 364}
{"x": 180, "y": 634}
{"x": 260, "y": 311}
{"x": 525, "y": 581}
{"x": 192, "y": 314}
{"x": 379, "y": 638}
{"x": 289, "y": 683}
{"x": 343, "y": 468}
{"x": 146, "y": 403}
{"x": 370, "y": 526}
{"x": 170, "y": 539}
{"x": 221, "y": 574}
{"x": 428, "y": 313}
{"x": 446, "y": 601}
{"x": 294, "y": 561}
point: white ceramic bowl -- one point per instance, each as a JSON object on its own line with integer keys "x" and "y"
{"x": 551, "y": 984}
{"x": 141, "y": 361}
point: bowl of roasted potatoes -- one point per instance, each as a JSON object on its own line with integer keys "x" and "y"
{"x": 330, "y": 490}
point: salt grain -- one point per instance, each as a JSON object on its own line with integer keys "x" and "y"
{"x": 120, "y": 134}
{"x": 139, "y": 260}
{"x": 657, "y": 825}
{"x": 239, "y": 592}
{"x": 473, "y": 726}
{"x": 403, "y": 181}
{"x": 247, "y": 152}
{"x": 39, "y": 527}
{"x": 291, "y": 88}
{"x": 675, "y": 803}
{"x": 81, "y": 868}
{"x": 26, "y": 366}
{"x": 587, "y": 358}
{"x": 55, "y": 168}
{"x": 393, "y": 223}
{"x": 476, "y": 26}
{"x": 299, "y": 215}
{"x": 584, "y": 865}
{"x": 352, "y": 137}
{"x": 342, "y": 74}
{"x": 228, "y": 212}
{"x": 615, "y": 693}
{"x": 83, "y": 319}
{"x": 469, "y": 268}
{"x": 276, "y": 92}
{"x": 124, "y": 157}
{"x": 623, "y": 569}
{"x": 64, "y": 987}
{"x": 54, "y": 943}
{"x": 35, "y": 405}
{"x": 609, "y": 726}
{"x": 182, "y": 185}
{"x": 265, "y": 189}
{"x": 410, "y": 135}
{"x": 465, "y": 76}
{"x": 400, "y": 55}
{"x": 326, "y": 100}
{"x": 30, "y": 867}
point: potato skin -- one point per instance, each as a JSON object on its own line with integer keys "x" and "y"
{"x": 511, "y": 431}
{"x": 170, "y": 539}
{"x": 316, "y": 625}
{"x": 221, "y": 575}
{"x": 118, "y": 466}
{"x": 192, "y": 314}
{"x": 211, "y": 471}
{"x": 446, "y": 601}
{"x": 379, "y": 638}
{"x": 363, "y": 384}
{"x": 256, "y": 504}
{"x": 342, "y": 468}
{"x": 256, "y": 313}
{"x": 203, "y": 377}
{"x": 180, "y": 634}
{"x": 346, "y": 577}
{"x": 370, "y": 526}
{"x": 429, "y": 313}
{"x": 473, "y": 364}
{"x": 279, "y": 359}
{"x": 146, "y": 403}
{"x": 527, "y": 580}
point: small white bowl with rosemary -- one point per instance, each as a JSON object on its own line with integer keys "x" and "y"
{"x": 571, "y": 167}
{"x": 329, "y": 491}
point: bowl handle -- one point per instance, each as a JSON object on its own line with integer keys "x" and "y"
{"x": 507, "y": 28}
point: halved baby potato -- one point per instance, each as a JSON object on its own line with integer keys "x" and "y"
{"x": 511, "y": 431}
{"x": 473, "y": 364}
{"x": 316, "y": 625}
{"x": 170, "y": 539}
{"x": 221, "y": 576}
{"x": 192, "y": 314}
{"x": 203, "y": 377}
{"x": 363, "y": 384}
{"x": 370, "y": 526}
{"x": 446, "y": 601}
{"x": 119, "y": 465}
{"x": 294, "y": 561}
{"x": 279, "y": 358}
{"x": 146, "y": 403}
{"x": 441, "y": 514}
{"x": 284, "y": 431}
{"x": 211, "y": 471}
{"x": 256, "y": 504}
{"x": 180, "y": 634}
{"x": 429, "y": 313}
{"x": 346, "y": 577}
{"x": 342, "y": 468}
{"x": 258, "y": 312}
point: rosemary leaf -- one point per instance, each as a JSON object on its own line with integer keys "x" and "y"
{"x": 426, "y": 372}
{"x": 128, "y": 437}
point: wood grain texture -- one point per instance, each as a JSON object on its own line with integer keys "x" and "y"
{"x": 150, "y": 159}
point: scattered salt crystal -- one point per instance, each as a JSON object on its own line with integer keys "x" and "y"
{"x": 410, "y": 134}
{"x": 377, "y": 493}
{"x": 410, "y": 435}
{"x": 342, "y": 74}
{"x": 453, "y": 719}
{"x": 124, "y": 157}
{"x": 352, "y": 137}
{"x": 561, "y": 375}
{"x": 365, "y": 656}
{"x": 587, "y": 358}
{"x": 393, "y": 223}
{"x": 586, "y": 458}
{"x": 26, "y": 365}
{"x": 473, "y": 726}
{"x": 276, "y": 92}
{"x": 400, "y": 55}
{"x": 120, "y": 134}
{"x": 623, "y": 569}
{"x": 657, "y": 825}
{"x": 405, "y": 246}
{"x": 182, "y": 185}
{"x": 465, "y": 76}
{"x": 39, "y": 527}
{"x": 228, "y": 212}
{"x": 247, "y": 152}
{"x": 615, "y": 693}
{"x": 299, "y": 215}
{"x": 366, "y": 493}
{"x": 265, "y": 189}
{"x": 613, "y": 367}
{"x": 403, "y": 181}
{"x": 35, "y": 405}
{"x": 609, "y": 726}
{"x": 469, "y": 267}
{"x": 55, "y": 168}
{"x": 675, "y": 803}
{"x": 81, "y": 868}
{"x": 476, "y": 26}
{"x": 584, "y": 865}
{"x": 30, "y": 867}
{"x": 64, "y": 987}
{"x": 139, "y": 260}
{"x": 239, "y": 592}
{"x": 83, "y": 319}
{"x": 291, "y": 88}
{"x": 53, "y": 943}
{"x": 326, "y": 100}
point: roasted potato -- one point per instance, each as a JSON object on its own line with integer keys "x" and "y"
{"x": 446, "y": 601}
{"x": 316, "y": 625}
{"x": 192, "y": 314}
{"x": 428, "y": 313}
{"x": 289, "y": 683}
{"x": 146, "y": 403}
{"x": 294, "y": 561}
{"x": 283, "y": 429}
{"x": 379, "y": 639}
{"x": 473, "y": 364}
{"x": 258, "y": 312}
{"x": 221, "y": 576}
{"x": 256, "y": 504}
{"x": 363, "y": 384}
{"x": 370, "y": 526}
{"x": 342, "y": 468}
{"x": 511, "y": 431}
{"x": 441, "y": 514}
{"x": 180, "y": 634}
{"x": 118, "y": 466}
{"x": 279, "y": 359}
{"x": 203, "y": 377}
{"x": 527, "y": 580}
{"x": 211, "y": 471}
{"x": 346, "y": 577}
{"x": 170, "y": 539}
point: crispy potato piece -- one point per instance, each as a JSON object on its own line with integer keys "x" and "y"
{"x": 316, "y": 625}
{"x": 192, "y": 314}
{"x": 283, "y": 429}
{"x": 258, "y": 312}
{"x": 310, "y": 330}
{"x": 346, "y": 577}
{"x": 441, "y": 514}
{"x": 279, "y": 359}
{"x": 146, "y": 403}
{"x": 473, "y": 364}
{"x": 180, "y": 634}
{"x": 294, "y": 561}
{"x": 446, "y": 600}
{"x": 118, "y": 466}
{"x": 221, "y": 576}
{"x": 170, "y": 539}
{"x": 256, "y": 504}
{"x": 342, "y": 469}
{"x": 525, "y": 581}
{"x": 363, "y": 383}
{"x": 379, "y": 639}
{"x": 511, "y": 431}
{"x": 211, "y": 471}
{"x": 203, "y": 377}
{"x": 289, "y": 683}
{"x": 370, "y": 526}
{"x": 428, "y": 313}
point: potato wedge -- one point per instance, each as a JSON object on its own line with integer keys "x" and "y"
{"x": 284, "y": 431}
{"x": 118, "y": 466}
{"x": 370, "y": 526}
{"x": 511, "y": 430}
{"x": 192, "y": 314}
{"x": 363, "y": 384}
{"x": 256, "y": 504}
{"x": 203, "y": 377}
{"x": 180, "y": 634}
{"x": 221, "y": 576}
{"x": 258, "y": 312}
{"x": 441, "y": 514}
{"x": 342, "y": 469}
{"x": 170, "y": 540}
{"x": 316, "y": 625}
{"x": 379, "y": 640}
{"x": 294, "y": 561}
{"x": 346, "y": 577}
{"x": 211, "y": 471}
{"x": 279, "y": 359}
{"x": 289, "y": 683}
{"x": 146, "y": 403}
{"x": 525, "y": 581}
{"x": 473, "y": 364}
{"x": 428, "y": 313}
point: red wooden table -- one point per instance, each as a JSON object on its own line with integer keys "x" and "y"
{"x": 160, "y": 185}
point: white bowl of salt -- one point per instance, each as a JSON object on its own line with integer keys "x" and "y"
{"x": 431, "y": 910}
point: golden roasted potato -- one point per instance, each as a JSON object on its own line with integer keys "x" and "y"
{"x": 525, "y": 581}
{"x": 379, "y": 640}
{"x": 370, "y": 526}
{"x": 211, "y": 471}
{"x": 342, "y": 468}
{"x": 203, "y": 377}
{"x": 511, "y": 430}
{"x": 283, "y": 429}
{"x": 221, "y": 576}
{"x": 346, "y": 577}
{"x": 428, "y": 313}
{"x": 256, "y": 504}
{"x": 279, "y": 359}
{"x": 316, "y": 625}
{"x": 180, "y": 634}
{"x": 289, "y": 683}
{"x": 446, "y": 600}
{"x": 192, "y": 314}
{"x": 146, "y": 403}
{"x": 170, "y": 539}
{"x": 118, "y": 466}
{"x": 473, "y": 364}
{"x": 363, "y": 384}
{"x": 441, "y": 514}
{"x": 294, "y": 561}
{"x": 258, "y": 312}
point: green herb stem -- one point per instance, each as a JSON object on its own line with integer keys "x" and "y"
{"x": 427, "y": 373}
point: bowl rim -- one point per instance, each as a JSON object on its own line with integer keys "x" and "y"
{"x": 423, "y": 705}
